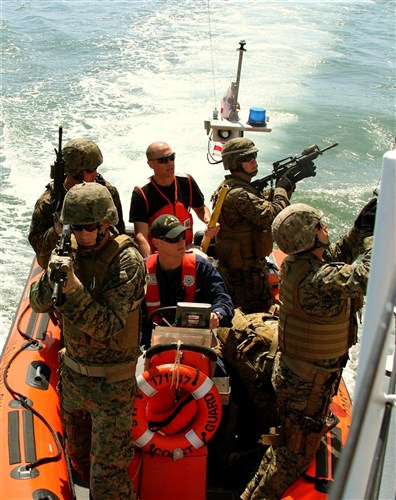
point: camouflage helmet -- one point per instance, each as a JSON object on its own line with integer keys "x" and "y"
{"x": 234, "y": 149}
{"x": 88, "y": 203}
{"x": 294, "y": 228}
{"x": 80, "y": 154}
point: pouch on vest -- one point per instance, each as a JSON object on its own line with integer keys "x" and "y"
{"x": 262, "y": 244}
{"x": 229, "y": 253}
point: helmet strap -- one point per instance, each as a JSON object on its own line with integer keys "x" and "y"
{"x": 240, "y": 169}
{"x": 317, "y": 244}
{"x": 101, "y": 234}
{"x": 78, "y": 177}
{"x": 99, "y": 238}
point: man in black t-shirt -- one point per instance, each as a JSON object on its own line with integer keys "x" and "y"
{"x": 166, "y": 193}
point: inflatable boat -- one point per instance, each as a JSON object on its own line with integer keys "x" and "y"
{"x": 174, "y": 457}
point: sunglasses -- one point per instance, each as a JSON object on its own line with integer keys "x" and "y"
{"x": 87, "y": 227}
{"x": 249, "y": 157}
{"x": 165, "y": 159}
{"x": 176, "y": 239}
{"x": 90, "y": 170}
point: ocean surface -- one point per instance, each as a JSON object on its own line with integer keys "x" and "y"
{"x": 127, "y": 73}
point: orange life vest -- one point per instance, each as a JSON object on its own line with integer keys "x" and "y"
{"x": 177, "y": 208}
{"x": 188, "y": 280}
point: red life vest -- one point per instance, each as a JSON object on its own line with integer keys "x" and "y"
{"x": 177, "y": 209}
{"x": 188, "y": 280}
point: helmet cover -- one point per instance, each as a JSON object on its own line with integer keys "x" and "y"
{"x": 88, "y": 203}
{"x": 294, "y": 228}
{"x": 234, "y": 149}
{"x": 81, "y": 154}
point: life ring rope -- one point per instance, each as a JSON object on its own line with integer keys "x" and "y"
{"x": 192, "y": 437}
{"x": 203, "y": 389}
{"x": 145, "y": 387}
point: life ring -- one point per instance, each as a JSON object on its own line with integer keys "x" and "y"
{"x": 158, "y": 348}
{"x": 205, "y": 423}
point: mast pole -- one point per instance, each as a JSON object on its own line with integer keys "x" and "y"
{"x": 235, "y": 85}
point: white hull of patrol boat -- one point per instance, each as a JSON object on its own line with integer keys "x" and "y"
{"x": 372, "y": 435}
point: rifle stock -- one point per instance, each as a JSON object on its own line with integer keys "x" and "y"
{"x": 215, "y": 216}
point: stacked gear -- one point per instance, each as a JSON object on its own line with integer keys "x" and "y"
{"x": 248, "y": 349}
{"x": 81, "y": 154}
{"x": 234, "y": 150}
{"x": 88, "y": 203}
{"x": 294, "y": 228}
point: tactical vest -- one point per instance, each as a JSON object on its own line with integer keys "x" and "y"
{"x": 177, "y": 208}
{"x": 306, "y": 337}
{"x": 188, "y": 280}
{"x": 239, "y": 248}
{"x": 91, "y": 274}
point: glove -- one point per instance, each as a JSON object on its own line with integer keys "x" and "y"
{"x": 286, "y": 183}
{"x": 365, "y": 221}
{"x": 61, "y": 269}
{"x": 302, "y": 170}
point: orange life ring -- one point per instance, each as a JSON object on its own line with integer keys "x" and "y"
{"x": 205, "y": 423}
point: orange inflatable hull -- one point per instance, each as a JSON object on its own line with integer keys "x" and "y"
{"x": 29, "y": 408}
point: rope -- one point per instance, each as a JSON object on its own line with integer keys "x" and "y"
{"x": 176, "y": 365}
{"x": 24, "y": 402}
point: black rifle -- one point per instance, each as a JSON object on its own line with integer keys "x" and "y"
{"x": 59, "y": 273}
{"x": 58, "y": 174}
{"x": 297, "y": 167}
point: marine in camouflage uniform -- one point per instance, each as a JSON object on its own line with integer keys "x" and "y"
{"x": 105, "y": 284}
{"x": 244, "y": 239}
{"x": 321, "y": 289}
{"x": 82, "y": 157}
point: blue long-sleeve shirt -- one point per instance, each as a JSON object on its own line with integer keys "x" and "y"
{"x": 210, "y": 288}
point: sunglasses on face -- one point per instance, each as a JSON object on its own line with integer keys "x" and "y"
{"x": 87, "y": 227}
{"x": 249, "y": 157}
{"x": 90, "y": 170}
{"x": 176, "y": 239}
{"x": 165, "y": 159}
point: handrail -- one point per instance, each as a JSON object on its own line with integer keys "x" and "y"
{"x": 357, "y": 473}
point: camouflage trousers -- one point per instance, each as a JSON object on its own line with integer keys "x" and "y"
{"x": 249, "y": 291}
{"x": 280, "y": 466}
{"x": 97, "y": 421}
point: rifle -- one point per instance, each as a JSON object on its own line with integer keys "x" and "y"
{"x": 298, "y": 167}
{"x": 215, "y": 215}
{"x": 58, "y": 174}
{"x": 59, "y": 273}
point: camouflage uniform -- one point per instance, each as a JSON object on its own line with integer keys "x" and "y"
{"x": 101, "y": 323}
{"x": 42, "y": 234}
{"x": 248, "y": 214}
{"x": 327, "y": 286}
{"x": 244, "y": 240}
